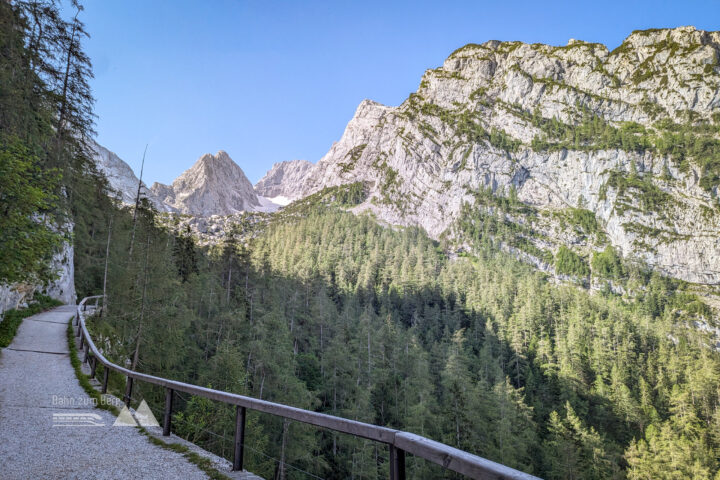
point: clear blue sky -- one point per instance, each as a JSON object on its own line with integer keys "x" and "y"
{"x": 273, "y": 81}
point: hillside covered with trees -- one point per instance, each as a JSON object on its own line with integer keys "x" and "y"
{"x": 329, "y": 311}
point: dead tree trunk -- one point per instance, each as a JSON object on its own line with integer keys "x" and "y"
{"x": 137, "y": 205}
{"x": 281, "y": 472}
{"x": 136, "y": 355}
{"x": 103, "y": 312}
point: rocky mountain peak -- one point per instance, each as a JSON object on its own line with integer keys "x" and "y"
{"x": 217, "y": 169}
{"x": 214, "y": 185}
{"x": 211, "y": 162}
{"x": 283, "y": 183}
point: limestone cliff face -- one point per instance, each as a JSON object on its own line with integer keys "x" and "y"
{"x": 283, "y": 180}
{"x": 560, "y": 127}
{"x": 214, "y": 185}
{"x": 122, "y": 179}
{"x": 62, "y": 288}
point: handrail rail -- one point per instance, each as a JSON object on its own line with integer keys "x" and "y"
{"x": 399, "y": 442}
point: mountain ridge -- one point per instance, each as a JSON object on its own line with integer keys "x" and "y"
{"x": 214, "y": 185}
{"x": 625, "y": 139}
{"x": 561, "y": 128}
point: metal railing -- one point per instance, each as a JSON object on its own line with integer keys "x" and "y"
{"x": 398, "y": 442}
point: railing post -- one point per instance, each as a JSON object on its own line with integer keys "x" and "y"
{"x": 168, "y": 412}
{"x": 94, "y": 367}
{"x": 106, "y": 375}
{"x": 79, "y": 330}
{"x": 397, "y": 463}
{"x": 239, "y": 438}
{"x": 82, "y": 341}
{"x": 128, "y": 391}
{"x": 87, "y": 352}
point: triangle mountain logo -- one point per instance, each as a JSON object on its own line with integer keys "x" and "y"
{"x": 125, "y": 419}
{"x": 145, "y": 416}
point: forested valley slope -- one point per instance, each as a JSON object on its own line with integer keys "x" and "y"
{"x": 348, "y": 302}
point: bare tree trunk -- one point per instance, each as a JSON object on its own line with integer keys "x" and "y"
{"x": 136, "y": 355}
{"x": 66, "y": 82}
{"x": 247, "y": 278}
{"x": 247, "y": 370}
{"x": 457, "y": 425}
{"x": 334, "y": 448}
{"x": 137, "y": 204}
{"x": 369, "y": 364}
{"x": 227, "y": 297}
{"x": 219, "y": 334}
{"x": 206, "y": 352}
{"x": 262, "y": 384}
{"x": 107, "y": 257}
{"x": 377, "y": 460}
{"x": 281, "y": 468}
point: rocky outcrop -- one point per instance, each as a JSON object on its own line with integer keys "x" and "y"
{"x": 565, "y": 127}
{"x": 216, "y": 229}
{"x": 62, "y": 288}
{"x": 214, "y": 185}
{"x": 122, "y": 179}
{"x": 284, "y": 181}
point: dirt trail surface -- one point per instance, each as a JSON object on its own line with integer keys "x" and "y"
{"x": 48, "y": 426}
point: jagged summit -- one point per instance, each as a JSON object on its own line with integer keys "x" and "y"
{"x": 214, "y": 185}
{"x": 210, "y": 163}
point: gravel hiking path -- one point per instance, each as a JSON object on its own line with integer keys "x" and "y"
{"x": 38, "y": 389}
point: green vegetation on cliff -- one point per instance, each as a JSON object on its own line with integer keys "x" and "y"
{"x": 568, "y": 262}
{"x": 47, "y": 177}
